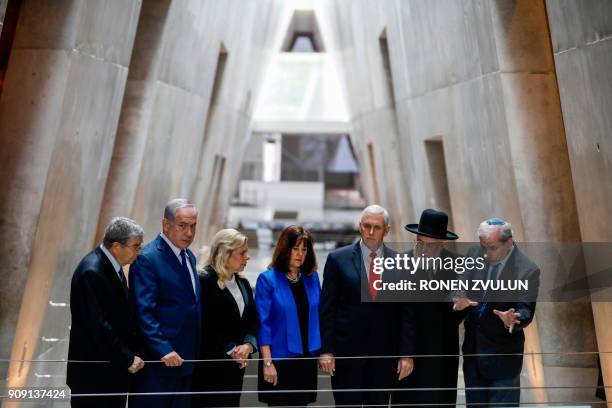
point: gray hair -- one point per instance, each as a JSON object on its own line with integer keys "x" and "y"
{"x": 120, "y": 230}
{"x": 376, "y": 209}
{"x": 488, "y": 227}
{"x": 174, "y": 205}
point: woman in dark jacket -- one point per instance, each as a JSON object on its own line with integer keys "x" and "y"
{"x": 287, "y": 299}
{"x": 229, "y": 322}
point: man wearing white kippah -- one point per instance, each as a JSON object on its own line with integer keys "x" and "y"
{"x": 494, "y": 324}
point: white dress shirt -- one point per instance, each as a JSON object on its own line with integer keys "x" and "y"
{"x": 111, "y": 258}
{"x": 365, "y": 255}
{"x": 177, "y": 252}
{"x": 499, "y": 266}
{"x": 234, "y": 289}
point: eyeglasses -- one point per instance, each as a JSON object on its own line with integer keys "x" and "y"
{"x": 135, "y": 248}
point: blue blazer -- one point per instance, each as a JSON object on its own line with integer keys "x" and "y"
{"x": 279, "y": 325}
{"x": 167, "y": 309}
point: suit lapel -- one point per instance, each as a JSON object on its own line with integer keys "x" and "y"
{"x": 506, "y": 273}
{"x": 358, "y": 261}
{"x": 229, "y": 299}
{"x": 111, "y": 274}
{"x": 243, "y": 290}
{"x": 196, "y": 281}
{"x": 291, "y": 315}
{"x": 173, "y": 260}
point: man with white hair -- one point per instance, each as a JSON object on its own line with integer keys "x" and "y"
{"x": 494, "y": 324}
{"x": 103, "y": 327}
{"x": 355, "y": 324}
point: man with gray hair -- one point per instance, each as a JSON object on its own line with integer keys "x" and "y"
{"x": 103, "y": 326}
{"x": 355, "y": 322}
{"x": 166, "y": 294}
{"x": 494, "y": 338}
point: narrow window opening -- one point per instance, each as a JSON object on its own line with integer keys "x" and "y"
{"x": 434, "y": 149}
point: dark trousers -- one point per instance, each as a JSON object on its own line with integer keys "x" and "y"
{"x": 98, "y": 402}
{"x": 152, "y": 381}
{"x": 115, "y": 401}
{"x": 96, "y": 386}
{"x": 214, "y": 377}
{"x": 504, "y": 392}
{"x": 438, "y": 373}
{"x": 296, "y": 374}
{"x": 367, "y": 377}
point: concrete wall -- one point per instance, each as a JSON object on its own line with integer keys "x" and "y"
{"x": 581, "y": 34}
{"x": 353, "y": 32}
{"x": 83, "y": 74}
{"x": 480, "y": 77}
{"x": 108, "y": 109}
{"x": 169, "y": 132}
{"x": 3, "y": 4}
{"x": 58, "y": 115}
{"x": 250, "y": 44}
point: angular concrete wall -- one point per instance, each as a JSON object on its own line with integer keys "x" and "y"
{"x": 65, "y": 174}
{"x": 3, "y": 4}
{"x": 582, "y": 41}
{"x": 479, "y": 76}
{"x": 58, "y": 116}
{"x": 355, "y": 32}
{"x": 250, "y": 43}
{"x": 169, "y": 133}
{"x": 62, "y": 106}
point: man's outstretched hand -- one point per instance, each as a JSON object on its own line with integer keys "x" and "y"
{"x": 509, "y": 317}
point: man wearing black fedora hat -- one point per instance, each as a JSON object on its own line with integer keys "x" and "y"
{"x": 436, "y": 322}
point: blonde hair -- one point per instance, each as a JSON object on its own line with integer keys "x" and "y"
{"x": 223, "y": 244}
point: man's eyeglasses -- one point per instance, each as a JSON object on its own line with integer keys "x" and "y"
{"x": 135, "y": 247}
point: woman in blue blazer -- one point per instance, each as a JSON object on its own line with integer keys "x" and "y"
{"x": 287, "y": 300}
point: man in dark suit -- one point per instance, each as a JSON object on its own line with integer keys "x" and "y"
{"x": 166, "y": 294}
{"x": 437, "y": 325}
{"x": 495, "y": 319}
{"x": 102, "y": 326}
{"x": 354, "y": 324}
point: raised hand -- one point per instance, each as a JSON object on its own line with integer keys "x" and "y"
{"x": 509, "y": 317}
{"x": 461, "y": 302}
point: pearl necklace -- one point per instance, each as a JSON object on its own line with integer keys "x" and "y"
{"x": 293, "y": 280}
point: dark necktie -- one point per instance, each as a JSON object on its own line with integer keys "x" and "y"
{"x": 493, "y": 271}
{"x": 185, "y": 267}
{"x": 122, "y": 277}
{"x": 124, "y": 284}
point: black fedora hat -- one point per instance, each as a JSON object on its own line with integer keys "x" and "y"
{"x": 432, "y": 224}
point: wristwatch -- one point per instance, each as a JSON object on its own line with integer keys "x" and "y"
{"x": 267, "y": 363}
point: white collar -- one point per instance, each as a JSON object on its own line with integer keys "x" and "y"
{"x": 367, "y": 251}
{"x": 116, "y": 265}
{"x": 503, "y": 262}
{"x": 174, "y": 248}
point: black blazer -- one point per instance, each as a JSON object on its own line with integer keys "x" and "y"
{"x": 437, "y": 333}
{"x": 350, "y": 326}
{"x": 222, "y": 326}
{"x": 102, "y": 327}
{"x": 436, "y": 323}
{"x": 486, "y": 334}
